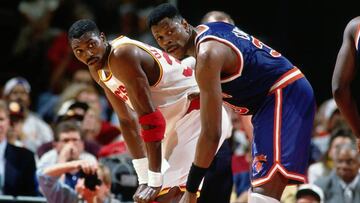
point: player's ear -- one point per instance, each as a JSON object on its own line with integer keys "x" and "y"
{"x": 102, "y": 36}
{"x": 186, "y": 25}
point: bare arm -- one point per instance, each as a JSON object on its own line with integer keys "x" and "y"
{"x": 127, "y": 65}
{"x": 128, "y": 125}
{"x": 343, "y": 76}
{"x": 209, "y": 63}
{"x": 61, "y": 168}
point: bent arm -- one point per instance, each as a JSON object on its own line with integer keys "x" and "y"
{"x": 343, "y": 76}
{"x": 127, "y": 65}
{"x": 61, "y": 168}
{"x": 128, "y": 125}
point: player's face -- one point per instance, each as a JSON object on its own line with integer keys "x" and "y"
{"x": 172, "y": 35}
{"x": 90, "y": 49}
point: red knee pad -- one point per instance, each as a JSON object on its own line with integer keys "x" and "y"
{"x": 157, "y": 121}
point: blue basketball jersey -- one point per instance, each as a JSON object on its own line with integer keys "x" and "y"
{"x": 282, "y": 101}
{"x": 259, "y": 66}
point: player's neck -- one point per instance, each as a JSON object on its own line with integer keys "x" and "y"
{"x": 191, "y": 48}
{"x": 106, "y": 56}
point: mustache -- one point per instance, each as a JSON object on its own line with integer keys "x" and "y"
{"x": 89, "y": 59}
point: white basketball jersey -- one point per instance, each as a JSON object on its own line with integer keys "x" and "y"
{"x": 169, "y": 94}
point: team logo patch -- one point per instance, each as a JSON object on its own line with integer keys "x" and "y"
{"x": 258, "y": 162}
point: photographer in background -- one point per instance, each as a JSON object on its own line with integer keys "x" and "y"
{"x": 93, "y": 186}
{"x": 68, "y": 146}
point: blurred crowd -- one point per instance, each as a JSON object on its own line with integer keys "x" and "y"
{"x": 56, "y": 126}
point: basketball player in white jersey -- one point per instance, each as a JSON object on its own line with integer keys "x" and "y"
{"x": 151, "y": 90}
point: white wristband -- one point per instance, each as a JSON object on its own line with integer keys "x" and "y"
{"x": 155, "y": 179}
{"x": 141, "y": 167}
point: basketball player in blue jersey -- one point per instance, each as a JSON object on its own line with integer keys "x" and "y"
{"x": 252, "y": 78}
{"x": 345, "y": 77}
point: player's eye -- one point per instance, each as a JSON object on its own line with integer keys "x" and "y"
{"x": 159, "y": 38}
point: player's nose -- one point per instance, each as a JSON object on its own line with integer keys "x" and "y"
{"x": 90, "y": 53}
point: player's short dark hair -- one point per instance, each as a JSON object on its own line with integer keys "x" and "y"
{"x": 81, "y": 27}
{"x": 162, "y": 11}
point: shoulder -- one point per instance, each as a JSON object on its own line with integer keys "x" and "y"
{"x": 19, "y": 150}
{"x": 34, "y": 119}
{"x": 48, "y": 158}
{"x": 19, "y": 155}
{"x": 125, "y": 52}
{"x": 325, "y": 182}
{"x": 352, "y": 27}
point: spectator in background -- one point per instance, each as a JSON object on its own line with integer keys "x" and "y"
{"x": 63, "y": 64}
{"x": 343, "y": 184}
{"x": 16, "y": 114}
{"x": 325, "y": 166}
{"x": 17, "y": 164}
{"x": 55, "y": 191}
{"x": 309, "y": 193}
{"x": 35, "y": 130}
{"x": 144, "y": 33}
{"x": 216, "y": 16}
{"x": 37, "y": 15}
{"x": 84, "y": 93}
{"x": 241, "y": 157}
{"x": 68, "y": 146}
{"x": 94, "y": 125}
{"x": 327, "y": 119}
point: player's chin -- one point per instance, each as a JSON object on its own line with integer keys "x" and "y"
{"x": 178, "y": 54}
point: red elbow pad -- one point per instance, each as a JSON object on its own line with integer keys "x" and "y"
{"x": 157, "y": 121}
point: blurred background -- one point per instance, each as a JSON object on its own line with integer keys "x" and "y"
{"x": 40, "y": 74}
{"x": 308, "y": 32}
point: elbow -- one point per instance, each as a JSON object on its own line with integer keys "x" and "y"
{"x": 213, "y": 136}
{"x": 338, "y": 91}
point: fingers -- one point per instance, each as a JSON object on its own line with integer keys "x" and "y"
{"x": 88, "y": 168}
{"x": 147, "y": 194}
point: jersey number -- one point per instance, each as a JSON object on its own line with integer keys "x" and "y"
{"x": 239, "y": 33}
